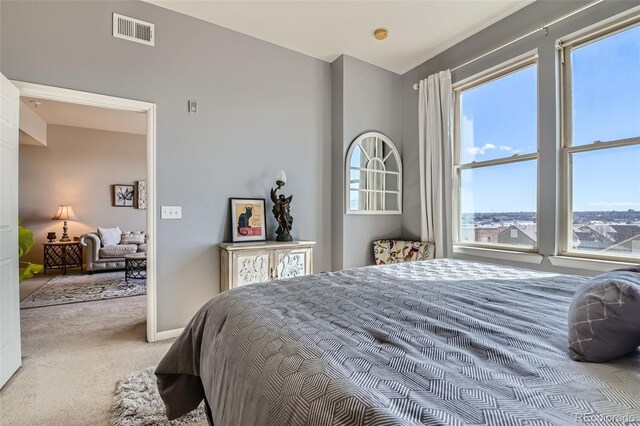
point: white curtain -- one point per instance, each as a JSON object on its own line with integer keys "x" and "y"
{"x": 435, "y": 149}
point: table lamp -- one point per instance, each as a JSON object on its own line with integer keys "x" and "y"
{"x": 65, "y": 213}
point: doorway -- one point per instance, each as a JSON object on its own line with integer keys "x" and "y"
{"x": 116, "y": 104}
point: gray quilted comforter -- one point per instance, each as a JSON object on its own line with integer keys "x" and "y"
{"x": 433, "y": 342}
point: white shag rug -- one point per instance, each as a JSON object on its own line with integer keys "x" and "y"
{"x": 137, "y": 402}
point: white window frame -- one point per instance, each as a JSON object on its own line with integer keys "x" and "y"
{"x": 564, "y": 46}
{"x": 493, "y": 250}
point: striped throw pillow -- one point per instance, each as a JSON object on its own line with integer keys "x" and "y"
{"x": 132, "y": 238}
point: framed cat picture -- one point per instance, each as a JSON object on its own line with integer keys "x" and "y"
{"x": 248, "y": 222}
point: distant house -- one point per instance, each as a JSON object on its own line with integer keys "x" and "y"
{"x": 607, "y": 237}
{"x": 624, "y": 232}
{"x": 519, "y": 235}
{"x": 487, "y": 235}
{"x": 630, "y": 245}
{"x": 480, "y": 234}
{"x": 593, "y": 237}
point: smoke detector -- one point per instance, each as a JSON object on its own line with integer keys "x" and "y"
{"x": 133, "y": 30}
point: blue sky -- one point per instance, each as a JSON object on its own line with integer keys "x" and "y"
{"x": 499, "y": 120}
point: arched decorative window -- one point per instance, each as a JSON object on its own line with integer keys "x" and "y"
{"x": 373, "y": 176}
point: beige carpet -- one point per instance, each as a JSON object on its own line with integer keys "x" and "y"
{"x": 73, "y": 355}
{"x": 28, "y": 287}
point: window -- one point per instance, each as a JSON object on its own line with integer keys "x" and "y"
{"x": 496, "y": 156}
{"x": 601, "y": 143}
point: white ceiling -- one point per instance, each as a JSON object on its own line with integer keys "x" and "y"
{"x": 418, "y": 30}
{"x": 89, "y": 117}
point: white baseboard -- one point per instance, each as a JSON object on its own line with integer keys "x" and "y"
{"x": 169, "y": 334}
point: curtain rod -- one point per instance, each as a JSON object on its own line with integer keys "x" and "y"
{"x": 542, "y": 28}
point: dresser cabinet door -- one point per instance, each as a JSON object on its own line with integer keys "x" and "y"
{"x": 250, "y": 267}
{"x": 292, "y": 263}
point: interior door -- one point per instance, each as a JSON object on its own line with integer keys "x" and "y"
{"x": 10, "y": 353}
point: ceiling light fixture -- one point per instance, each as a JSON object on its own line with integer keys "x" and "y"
{"x": 381, "y": 33}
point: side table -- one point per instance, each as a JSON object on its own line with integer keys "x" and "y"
{"x": 135, "y": 266}
{"x": 62, "y": 255}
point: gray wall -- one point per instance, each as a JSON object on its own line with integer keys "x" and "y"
{"x": 78, "y": 167}
{"x": 261, "y": 108}
{"x": 369, "y": 98}
{"x": 526, "y": 19}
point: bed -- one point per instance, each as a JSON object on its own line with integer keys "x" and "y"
{"x": 433, "y": 342}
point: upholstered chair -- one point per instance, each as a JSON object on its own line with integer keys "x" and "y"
{"x": 400, "y": 251}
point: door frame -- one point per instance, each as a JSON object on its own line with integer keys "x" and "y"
{"x": 111, "y": 102}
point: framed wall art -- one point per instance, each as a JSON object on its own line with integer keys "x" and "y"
{"x": 247, "y": 219}
{"x": 123, "y": 195}
{"x": 141, "y": 195}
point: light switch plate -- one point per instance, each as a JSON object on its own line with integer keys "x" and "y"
{"x": 171, "y": 212}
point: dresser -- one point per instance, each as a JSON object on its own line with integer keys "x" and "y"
{"x": 248, "y": 263}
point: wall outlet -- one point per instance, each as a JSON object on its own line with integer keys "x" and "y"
{"x": 171, "y": 212}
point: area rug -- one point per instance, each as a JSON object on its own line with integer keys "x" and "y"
{"x": 138, "y": 403}
{"x": 64, "y": 289}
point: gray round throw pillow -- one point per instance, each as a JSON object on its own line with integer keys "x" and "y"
{"x": 604, "y": 317}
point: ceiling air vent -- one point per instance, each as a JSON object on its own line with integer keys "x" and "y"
{"x": 133, "y": 29}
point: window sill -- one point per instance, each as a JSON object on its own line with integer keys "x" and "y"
{"x": 588, "y": 264}
{"x": 516, "y": 256}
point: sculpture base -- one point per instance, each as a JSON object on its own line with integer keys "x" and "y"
{"x": 284, "y": 237}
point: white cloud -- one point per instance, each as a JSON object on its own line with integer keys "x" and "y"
{"x": 509, "y": 149}
{"x": 475, "y": 150}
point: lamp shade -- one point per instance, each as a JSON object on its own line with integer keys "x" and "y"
{"x": 65, "y": 213}
{"x": 281, "y": 176}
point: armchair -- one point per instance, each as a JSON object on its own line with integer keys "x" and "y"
{"x": 399, "y": 251}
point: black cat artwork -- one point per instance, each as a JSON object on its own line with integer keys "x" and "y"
{"x": 243, "y": 220}
{"x": 247, "y": 219}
